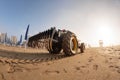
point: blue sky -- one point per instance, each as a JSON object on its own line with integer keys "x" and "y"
{"x": 84, "y": 17}
{"x": 16, "y": 14}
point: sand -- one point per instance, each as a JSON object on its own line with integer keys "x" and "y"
{"x": 94, "y": 64}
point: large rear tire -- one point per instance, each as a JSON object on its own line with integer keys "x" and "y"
{"x": 70, "y": 44}
{"x": 55, "y": 49}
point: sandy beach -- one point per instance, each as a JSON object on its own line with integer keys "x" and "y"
{"x": 34, "y": 64}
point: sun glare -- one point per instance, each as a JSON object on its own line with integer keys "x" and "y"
{"x": 105, "y": 33}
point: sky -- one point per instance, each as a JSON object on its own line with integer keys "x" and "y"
{"x": 90, "y": 20}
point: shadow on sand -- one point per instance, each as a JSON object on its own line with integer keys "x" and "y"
{"x": 26, "y": 56}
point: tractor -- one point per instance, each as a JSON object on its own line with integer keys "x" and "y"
{"x": 56, "y": 41}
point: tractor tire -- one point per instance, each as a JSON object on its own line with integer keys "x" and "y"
{"x": 82, "y": 47}
{"x": 69, "y": 44}
{"x": 55, "y": 48}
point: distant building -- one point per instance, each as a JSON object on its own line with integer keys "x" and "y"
{"x": 0, "y": 37}
{"x": 3, "y": 37}
{"x": 101, "y": 43}
{"x": 13, "y": 40}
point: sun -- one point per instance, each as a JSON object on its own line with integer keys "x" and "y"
{"x": 105, "y": 33}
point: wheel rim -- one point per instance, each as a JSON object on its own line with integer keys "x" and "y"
{"x": 73, "y": 45}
